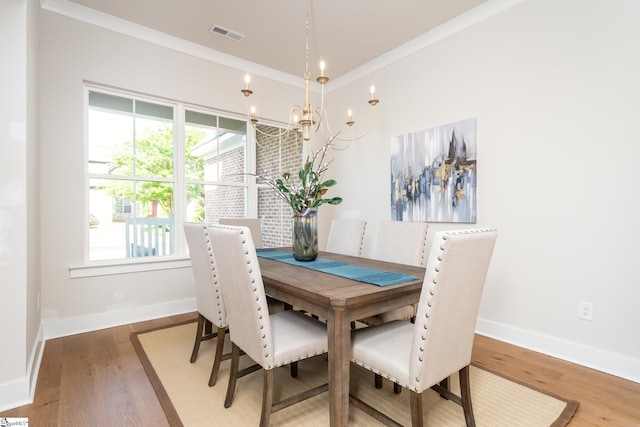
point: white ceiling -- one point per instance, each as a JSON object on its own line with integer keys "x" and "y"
{"x": 348, "y": 34}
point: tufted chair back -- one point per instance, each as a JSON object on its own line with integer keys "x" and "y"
{"x": 402, "y": 242}
{"x": 449, "y": 302}
{"x": 241, "y": 281}
{"x": 252, "y": 223}
{"x": 209, "y": 298}
{"x": 346, "y": 236}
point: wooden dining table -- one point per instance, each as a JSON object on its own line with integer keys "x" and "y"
{"x": 340, "y": 301}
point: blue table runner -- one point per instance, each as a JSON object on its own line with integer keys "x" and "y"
{"x": 341, "y": 269}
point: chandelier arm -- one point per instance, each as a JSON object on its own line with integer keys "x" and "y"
{"x": 335, "y": 148}
{"x": 285, "y": 135}
{"x": 362, "y": 135}
{"x": 246, "y": 106}
{"x": 291, "y": 126}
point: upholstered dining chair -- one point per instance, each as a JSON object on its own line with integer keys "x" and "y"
{"x": 346, "y": 236}
{"x": 401, "y": 242}
{"x": 423, "y": 355}
{"x": 270, "y": 340}
{"x": 253, "y": 224}
{"x": 209, "y": 300}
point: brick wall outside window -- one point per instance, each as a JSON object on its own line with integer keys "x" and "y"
{"x": 222, "y": 201}
{"x": 276, "y": 152}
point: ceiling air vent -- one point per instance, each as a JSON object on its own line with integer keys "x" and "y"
{"x": 224, "y": 32}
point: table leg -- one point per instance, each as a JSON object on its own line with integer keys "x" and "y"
{"x": 339, "y": 332}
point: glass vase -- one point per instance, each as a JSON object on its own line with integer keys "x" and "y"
{"x": 305, "y": 235}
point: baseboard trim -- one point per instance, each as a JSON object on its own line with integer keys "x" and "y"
{"x": 591, "y": 357}
{"x": 55, "y": 328}
{"x": 14, "y": 394}
{"x": 21, "y": 392}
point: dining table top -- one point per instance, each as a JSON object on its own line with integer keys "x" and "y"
{"x": 331, "y": 290}
{"x": 340, "y": 301}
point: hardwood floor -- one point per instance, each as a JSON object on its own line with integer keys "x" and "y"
{"x": 96, "y": 379}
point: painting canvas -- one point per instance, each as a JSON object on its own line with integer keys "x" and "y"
{"x": 433, "y": 174}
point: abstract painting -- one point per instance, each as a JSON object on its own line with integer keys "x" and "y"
{"x": 433, "y": 174}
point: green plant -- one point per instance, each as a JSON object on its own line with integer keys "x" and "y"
{"x": 308, "y": 188}
{"x": 153, "y": 158}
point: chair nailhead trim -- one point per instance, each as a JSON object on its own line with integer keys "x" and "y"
{"x": 425, "y": 324}
{"x": 222, "y": 314}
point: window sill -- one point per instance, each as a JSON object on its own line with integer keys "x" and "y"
{"x": 108, "y": 268}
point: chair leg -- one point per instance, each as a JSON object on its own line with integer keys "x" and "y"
{"x": 267, "y": 398}
{"x": 445, "y": 385}
{"x": 199, "y": 333}
{"x": 377, "y": 381}
{"x": 396, "y": 388}
{"x": 208, "y": 327}
{"x": 416, "y": 409}
{"x": 294, "y": 369}
{"x": 233, "y": 375}
{"x": 217, "y": 358}
{"x": 465, "y": 396}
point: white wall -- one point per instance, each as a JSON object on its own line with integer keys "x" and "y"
{"x": 554, "y": 87}
{"x": 73, "y": 52}
{"x": 19, "y": 229}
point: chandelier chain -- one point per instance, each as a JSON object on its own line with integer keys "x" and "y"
{"x": 306, "y": 65}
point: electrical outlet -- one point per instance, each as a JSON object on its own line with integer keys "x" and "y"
{"x": 585, "y": 310}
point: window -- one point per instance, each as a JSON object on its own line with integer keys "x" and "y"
{"x": 154, "y": 164}
{"x": 276, "y": 151}
{"x": 216, "y": 165}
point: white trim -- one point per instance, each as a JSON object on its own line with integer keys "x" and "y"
{"x": 91, "y": 16}
{"x": 34, "y": 362}
{"x": 21, "y": 392}
{"x": 478, "y": 14}
{"x": 105, "y": 269}
{"x": 54, "y": 328}
{"x": 591, "y": 357}
{"x": 110, "y": 22}
{"x": 14, "y": 394}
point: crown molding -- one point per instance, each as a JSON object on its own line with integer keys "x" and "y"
{"x": 110, "y": 22}
{"x": 460, "y": 23}
{"x": 100, "y": 19}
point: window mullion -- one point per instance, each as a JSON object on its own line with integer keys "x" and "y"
{"x": 180, "y": 186}
{"x": 252, "y": 190}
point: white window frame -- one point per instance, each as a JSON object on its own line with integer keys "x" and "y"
{"x": 180, "y": 257}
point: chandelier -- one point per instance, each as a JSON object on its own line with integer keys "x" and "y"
{"x": 306, "y": 118}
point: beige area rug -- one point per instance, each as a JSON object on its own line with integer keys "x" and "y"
{"x": 187, "y": 400}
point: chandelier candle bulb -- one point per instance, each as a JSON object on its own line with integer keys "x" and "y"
{"x": 373, "y": 92}
{"x": 321, "y": 68}
{"x": 246, "y": 91}
{"x": 350, "y": 122}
